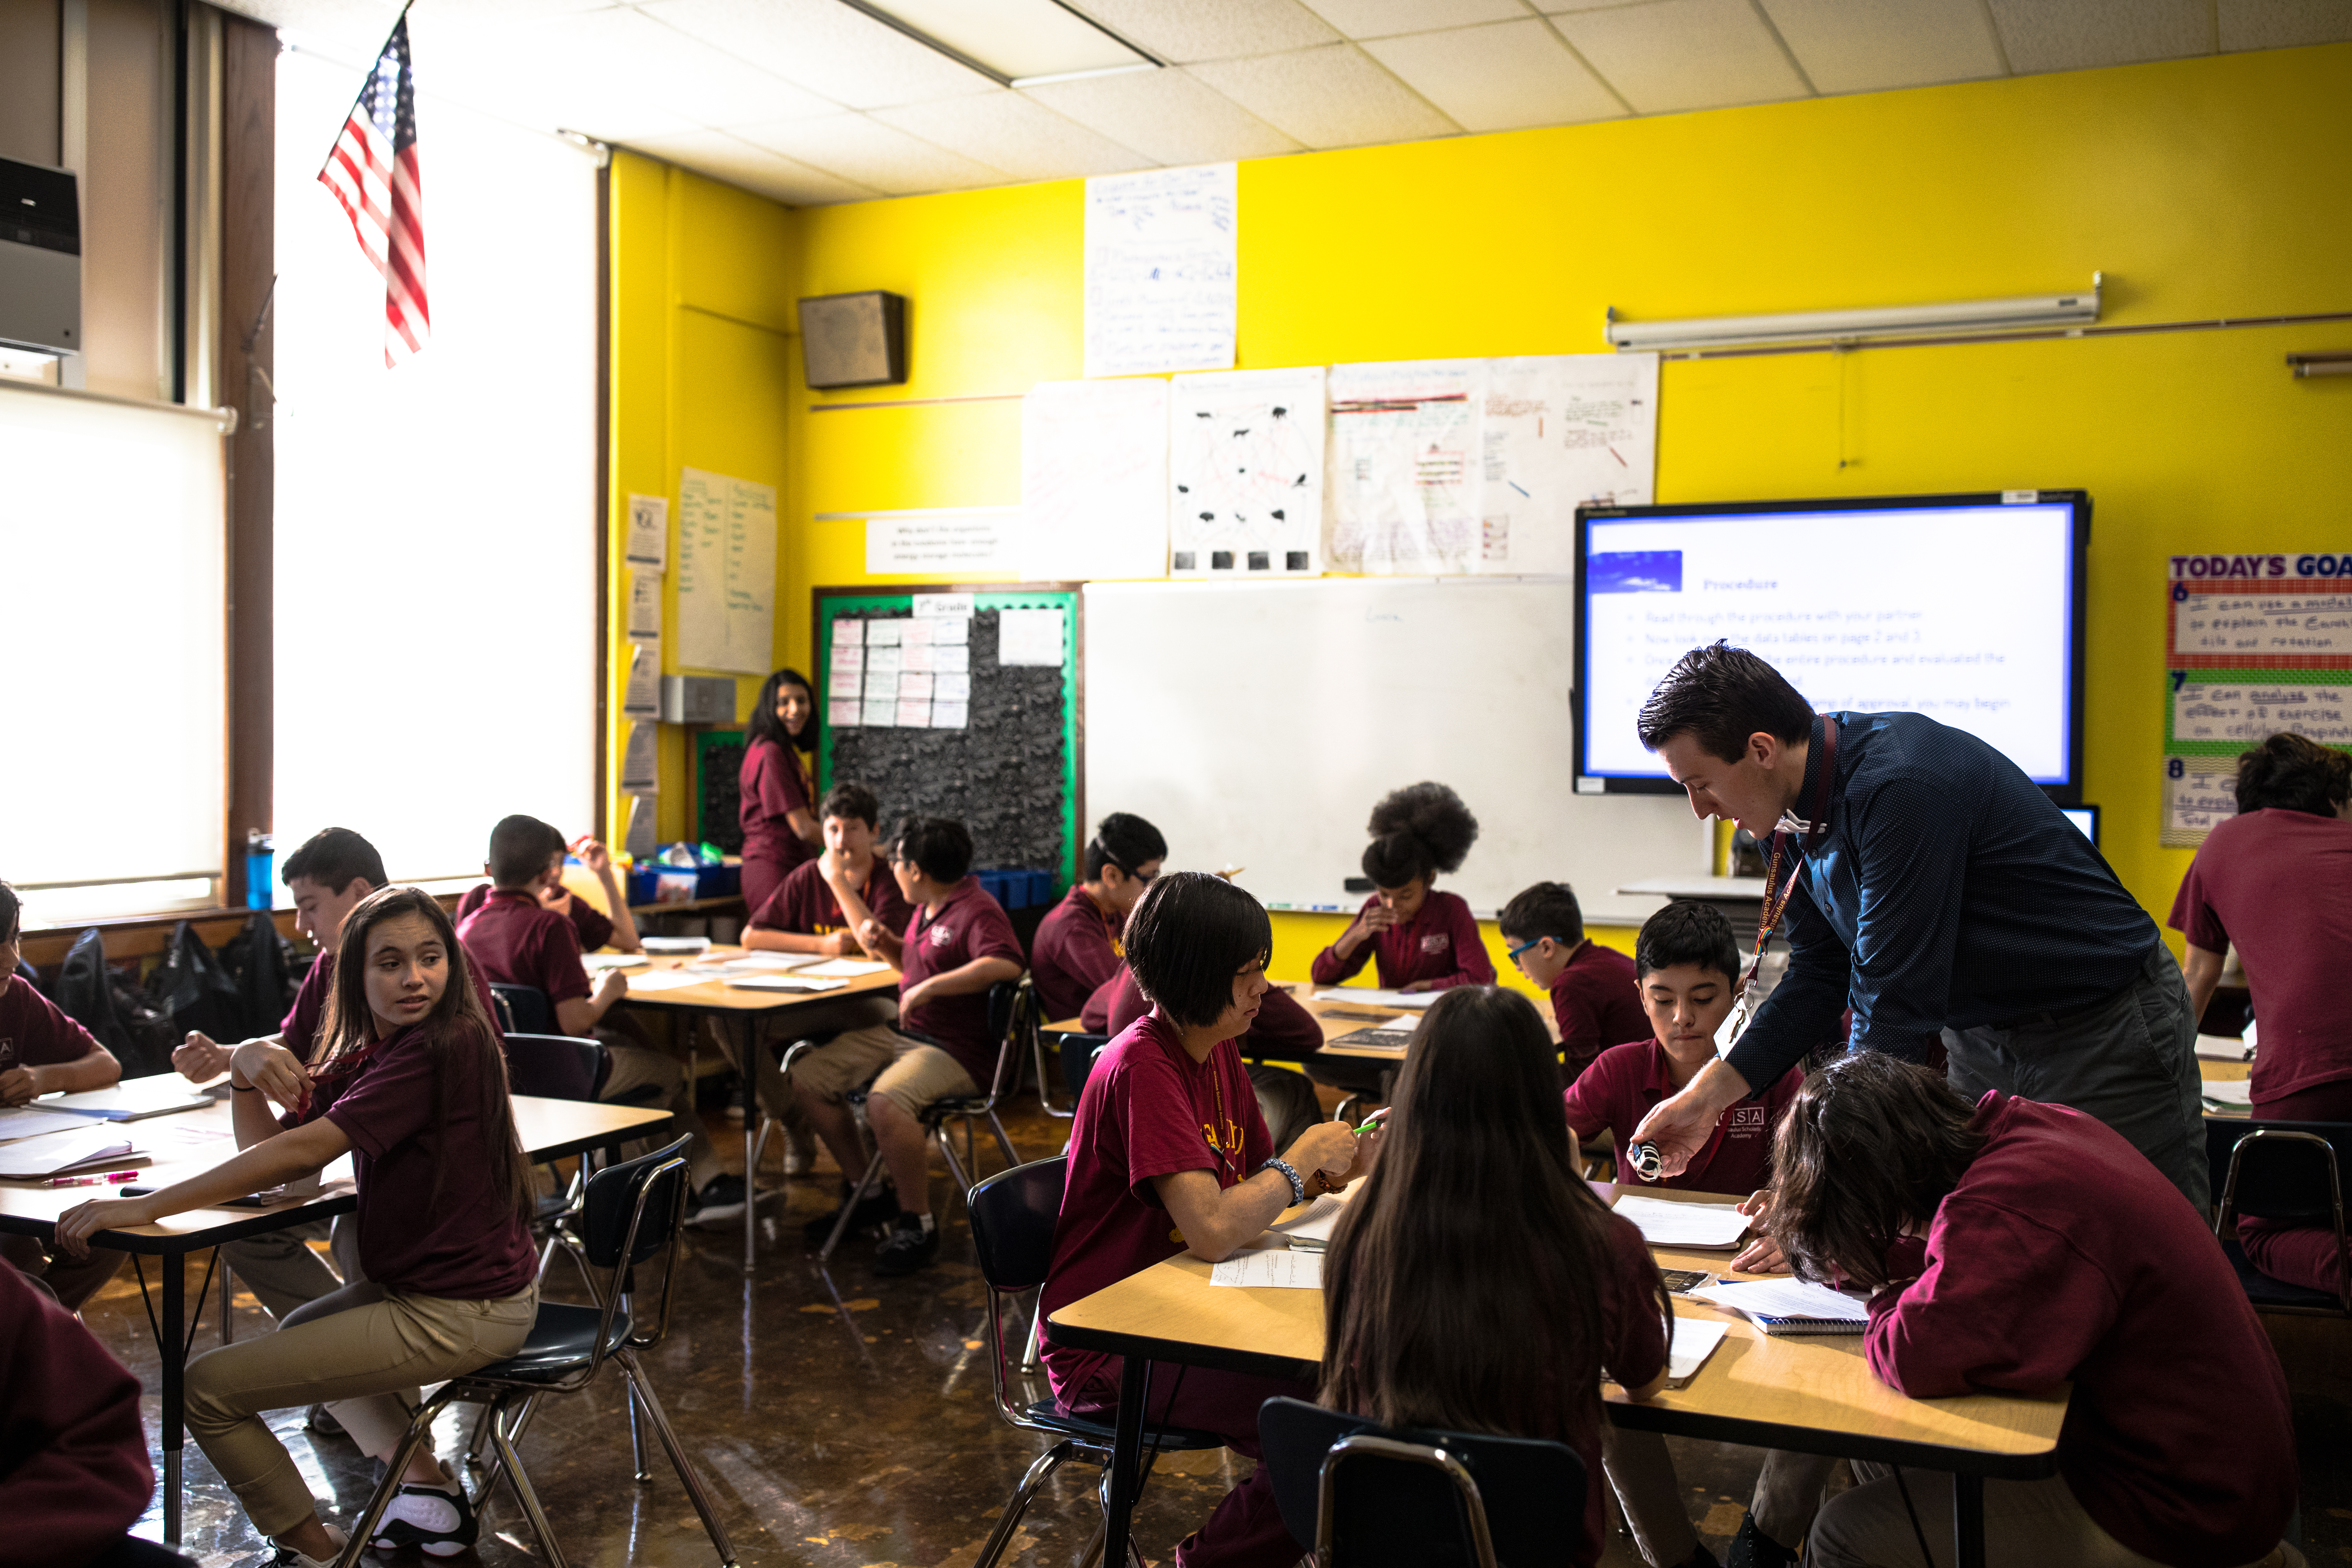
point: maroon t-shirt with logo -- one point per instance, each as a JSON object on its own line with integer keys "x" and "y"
{"x": 33, "y": 1033}
{"x": 1439, "y": 944}
{"x": 1148, "y": 1109}
{"x": 589, "y": 924}
{"x": 1075, "y": 950}
{"x": 1283, "y": 1031}
{"x": 970, "y": 925}
{"x": 1597, "y": 1002}
{"x": 805, "y": 905}
{"x": 460, "y": 1238}
{"x": 517, "y": 941}
{"x": 1624, "y": 1081}
{"x": 300, "y": 1031}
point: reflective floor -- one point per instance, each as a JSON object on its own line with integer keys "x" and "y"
{"x": 842, "y": 1419}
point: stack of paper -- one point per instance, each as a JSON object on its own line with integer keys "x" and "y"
{"x": 801, "y": 982}
{"x": 1277, "y": 1269}
{"x": 676, "y": 944}
{"x": 771, "y": 961}
{"x": 664, "y": 980}
{"x": 34, "y": 1158}
{"x": 597, "y": 962}
{"x": 1310, "y": 1228}
{"x": 2234, "y": 1096}
{"x": 133, "y": 1099}
{"x": 1781, "y": 1304}
{"x": 1695, "y": 1341}
{"x": 32, "y": 1121}
{"x": 2224, "y": 1048}
{"x": 1666, "y": 1223}
{"x": 1380, "y": 998}
{"x": 844, "y": 968}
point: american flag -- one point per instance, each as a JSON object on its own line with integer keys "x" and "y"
{"x": 372, "y": 171}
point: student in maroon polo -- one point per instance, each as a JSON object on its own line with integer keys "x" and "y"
{"x": 74, "y": 1476}
{"x": 2014, "y": 1246}
{"x": 807, "y": 913}
{"x": 1421, "y": 939}
{"x": 1283, "y": 1031}
{"x": 1076, "y": 949}
{"x": 1168, "y": 1154}
{"x": 591, "y": 925}
{"x": 1595, "y": 998}
{"x": 780, "y": 829}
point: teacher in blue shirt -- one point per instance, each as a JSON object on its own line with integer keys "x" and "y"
{"x": 1942, "y": 896}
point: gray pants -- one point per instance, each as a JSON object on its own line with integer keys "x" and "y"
{"x": 2129, "y": 1061}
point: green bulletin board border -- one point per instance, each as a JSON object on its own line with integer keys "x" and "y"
{"x": 833, "y": 604}
{"x": 2176, "y": 678}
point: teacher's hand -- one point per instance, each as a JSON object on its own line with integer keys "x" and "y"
{"x": 79, "y": 1222}
{"x": 1681, "y": 1125}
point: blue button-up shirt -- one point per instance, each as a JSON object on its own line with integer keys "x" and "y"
{"x": 1945, "y": 892}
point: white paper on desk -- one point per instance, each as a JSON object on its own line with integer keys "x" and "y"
{"x": 1278, "y": 1269}
{"x": 1790, "y": 1298}
{"x": 55, "y": 1152}
{"x": 133, "y": 1099}
{"x": 1695, "y": 1341}
{"x": 664, "y": 980}
{"x": 2222, "y": 1049}
{"x": 1665, "y": 1223}
{"x": 1372, "y": 998}
{"x": 2239, "y": 1092}
{"x": 597, "y": 962}
{"x": 1314, "y": 1222}
{"x": 32, "y": 1121}
{"x": 782, "y": 982}
{"x": 753, "y": 961}
{"x": 844, "y": 968}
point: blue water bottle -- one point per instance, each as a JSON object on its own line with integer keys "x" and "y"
{"x": 260, "y": 862}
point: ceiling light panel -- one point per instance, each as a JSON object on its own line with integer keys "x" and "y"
{"x": 1015, "y": 38}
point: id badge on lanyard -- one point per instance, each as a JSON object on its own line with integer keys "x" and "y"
{"x": 1776, "y": 890}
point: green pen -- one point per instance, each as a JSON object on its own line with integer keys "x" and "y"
{"x": 1369, "y": 1122}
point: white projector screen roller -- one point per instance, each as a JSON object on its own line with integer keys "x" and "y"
{"x": 1966, "y": 608}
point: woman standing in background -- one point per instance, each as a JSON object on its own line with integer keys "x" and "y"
{"x": 779, "y": 827}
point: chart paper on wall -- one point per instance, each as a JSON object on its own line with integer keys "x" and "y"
{"x": 1094, "y": 479}
{"x": 726, "y": 573}
{"x": 1160, "y": 271}
{"x": 1562, "y": 430}
{"x": 942, "y": 541}
{"x": 1404, "y": 461}
{"x": 1246, "y": 473}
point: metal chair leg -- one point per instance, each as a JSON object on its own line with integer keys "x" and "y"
{"x": 645, "y": 1476}
{"x": 1045, "y": 1095}
{"x": 529, "y": 1499}
{"x": 1003, "y": 1143}
{"x": 760, "y": 1145}
{"x": 1029, "y": 1361}
{"x": 514, "y": 1429}
{"x": 956, "y": 1168}
{"x": 872, "y": 1168}
{"x": 229, "y": 1308}
{"x": 420, "y": 1428}
{"x": 644, "y": 1390}
{"x": 480, "y": 1434}
{"x": 1046, "y": 1464}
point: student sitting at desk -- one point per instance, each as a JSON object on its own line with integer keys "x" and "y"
{"x": 2018, "y": 1245}
{"x": 42, "y": 1051}
{"x": 1476, "y": 1283}
{"x": 1076, "y": 949}
{"x": 2276, "y": 879}
{"x": 1168, "y": 1154}
{"x": 1421, "y": 939}
{"x": 1595, "y": 997}
{"x": 591, "y": 925}
{"x": 411, "y": 1083}
{"x": 780, "y": 831}
{"x": 74, "y": 1474}
{"x": 1283, "y": 1031}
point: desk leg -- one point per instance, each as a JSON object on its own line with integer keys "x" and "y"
{"x": 174, "y": 1352}
{"x": 1126, "y": 1458}
{"x": 1967, "y": 1520}
{"x": 747, "y": 1045}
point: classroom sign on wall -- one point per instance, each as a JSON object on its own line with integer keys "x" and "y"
{"x": 2256, "y": 643}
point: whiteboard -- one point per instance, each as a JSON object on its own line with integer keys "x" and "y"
{"x": 1257, "y": 723}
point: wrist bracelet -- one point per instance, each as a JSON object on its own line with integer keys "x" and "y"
{"x": 1297, "y": 1187}
{"x": 243, "y": 1089}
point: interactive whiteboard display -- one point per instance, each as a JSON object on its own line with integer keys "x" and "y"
{"x": 1966, "y": 608}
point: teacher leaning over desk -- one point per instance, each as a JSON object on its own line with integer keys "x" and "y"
{"x": 1941, "y": 895}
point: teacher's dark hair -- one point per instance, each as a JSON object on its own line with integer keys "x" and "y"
{"x": 1188, "y": 938}
{"x": 1417, "y": 832}
{"x": 1462, "y": 1287}
{"x": 2291, "y": 773}
{"x": 1719, "y": 695}
{"x": 764, "y": 724}
{"x": 1870, "y": 1144}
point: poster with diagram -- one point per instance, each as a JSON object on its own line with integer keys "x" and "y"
{"x": 1246, "y": 473}
{"x": 1404, "y": 466}
{"x": 1560, "y": 431}
{"x": 2255, "y": 645}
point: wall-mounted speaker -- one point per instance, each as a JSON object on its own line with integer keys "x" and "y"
{"x": 854, "y": 340}
{"x": 41, "y": 260}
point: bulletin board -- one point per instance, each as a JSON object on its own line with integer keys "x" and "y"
{"x": 1011, "y": 773}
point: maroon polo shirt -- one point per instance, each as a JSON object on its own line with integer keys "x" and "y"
{"x": 806, "y": 905}
{"x": 300, "y": 1031}
{"x": 1624, "y": 1082}
{"x": 773, "y": 784}
{"x": 1598, "y": 1003}
{"x": 74, "y": 1476}
{"x": 1075, "y": 950}
{"x": 515, "y": 940}
{"x": 431, "y": 1219}
{"x": 968, "y": 926}
{"x": 1283, "y": 1030}
{"x": 2279, "y": 884}
{"x": 589, "y": 924}
{"x": 33, "y": 1033}
{"x": 1440, "y": 944}
{"x": 2064, "y": 1257}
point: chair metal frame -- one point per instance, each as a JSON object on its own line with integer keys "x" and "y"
{"x": 1367, "y": 1443}
{"x": 2225, "y": 1230}
{"x": 508, "y": 1423}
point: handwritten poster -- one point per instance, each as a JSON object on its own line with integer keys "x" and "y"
{"x": 1246, "y": 473}
{"x": 1405, "y": 466}
{"x": 1562, "y": 430}
{"x": 726, "y": 573}
{"x": 1094, "y": 479}
{"x": 943, "y": 542}
{"x": 1160, "y": 271}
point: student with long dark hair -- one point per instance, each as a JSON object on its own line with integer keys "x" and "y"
{"x": 1420, "y": 939}
{"x": 1475, "y": 1283}
{"x": 2018, "y": 1245}
{"x": 777, "y": 787}
{"x": 410, "y": 1080}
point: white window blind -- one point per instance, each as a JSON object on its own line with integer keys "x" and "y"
{"x": 436, "y": 525}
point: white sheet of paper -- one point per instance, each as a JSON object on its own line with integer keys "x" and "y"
{"x": 843, "y": 685}
{"x": 950, "y": 715}
{"x": 1279, "y": 1269}
{"x": 641, "y": 698}
{"x": 944, "y": 541}
{"x": 885, "y": 633}
{"x": 1094, "y": 479}
{"x": 2240, "y": 1091}
{"x": 1374, "y": 998}
{"x": 914, "y": 713}
{"x": 2249, "y": 713}
{"x": 1161, "y": 249}
{"x": 781, "y": 982}
{"x": 851, "y": 658}
{"x": 921, "y": 657}
{"x": 150, "y": 1094}
{"x": 1790, "y": 1298}
{"x": 1403, "y": 462}
{"x": 648, "y": 531}
{"x": 639, "y": 759}
{"x": 955, "y": 659}
{"x": 914, "y": 632}
{"x": 1029, "y": 638}
{"x": 952, "y": 688}
{"x": 1695, "y": 1341}
{"x": 2222, "y": 1049}
{"x": 1315, "y": 1221}
{"x": 888, "y": 658}
{"x": 881, "y": 686}
{"x": 941, "y": 607}
{"x": 50, "y": 1154}
{"x": 915, "y": 686}
{"x": 849, "y": 632}
{"x": 597, "y": 962}
{"x": 726, "y": 573}
{"x": 32, "y": 1121}
{"x": 664, "y": 980}
{"x": 644, "y": 602}
{"x": 1562, "y": 429}
{"x": 1665, "y": 1223}
{"x": 638, "y": 837}
{"x": 1246, "y": 473}
{"x": 771, "y": 961}
{"x": 954, "y": 630}
{"x": 844, "y": 968}
{"x": 846, "y": 715}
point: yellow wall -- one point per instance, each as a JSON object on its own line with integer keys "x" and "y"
{"x": 2203, "y": 188}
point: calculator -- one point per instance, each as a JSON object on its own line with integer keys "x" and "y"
{"x": 1679, "y": 1280}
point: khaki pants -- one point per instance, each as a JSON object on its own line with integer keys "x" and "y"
{"x": 1642, "y": 1473}
{"x": 282, "y": 1271}
{"x": 2027, "y": 1523}
{"x": 871, "y": 1011}
{"x": 911, "y": 1074}
{"x": 71, "y": 1281}
{"x": 364, "y": 1352}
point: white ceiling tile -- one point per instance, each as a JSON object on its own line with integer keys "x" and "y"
{"x": 825, "y": 48}
{"x": 1684, "y": 54}
{"x": 1330, "y": 97}
{"x": 624, "y": 51}
{"x": 1387, "y": 18}
{"x": 1007, "y": 132}
{"x": 1498, "y": 77}
{"x": 2077, "y": 34}
{"x": 1168, "y": 116}
{"x": 1188, "y": 30}
{"x": 737, "y": 161}
{"x": 2283, "y": 24}
{"x": 872, "y": 153}
{"x": 1869, "y": 45}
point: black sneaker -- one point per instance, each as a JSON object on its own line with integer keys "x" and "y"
{"x": 720, "y": 1199}
{"x": 321, "y": 1420}
{"x": 436, "y": 1521}
{"x": 907, "y": 1247}
{"x": 287, "y": 1557}
{"x": 1751, "y": 1548}
{"x": 878, "y": 1208}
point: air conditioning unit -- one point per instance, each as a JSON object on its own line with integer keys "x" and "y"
{"x": 41, "y": 260}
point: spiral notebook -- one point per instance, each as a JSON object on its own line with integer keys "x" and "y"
{"x": 1789, "y": 1306}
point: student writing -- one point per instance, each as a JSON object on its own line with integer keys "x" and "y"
{"x": 779, "y": 830}
{"x": 1420, "y": 939}
{"x": 1076, "y": 949}
{"x": 1595, "y": 999}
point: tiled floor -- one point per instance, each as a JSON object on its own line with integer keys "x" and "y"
{"x": 840, "y": 1419}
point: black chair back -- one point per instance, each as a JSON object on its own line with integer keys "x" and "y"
{"x": 1078, "y": 1061}
{"x": 527, "y": 1009}
{"x": 553, "y": 1067}
{"x": 612, "y": 1218}
{"x": 1394, "y": 1504}
{"x": 1012, "y": 1217}
{"x": 1013, "y": 1024}
{"x": 2279, "y": 1170}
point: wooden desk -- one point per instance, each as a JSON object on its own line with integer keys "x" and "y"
{"x": 188, "y": 1143}
{"x": 717, "y": 1000}
{"x": 1813, "y": 1394}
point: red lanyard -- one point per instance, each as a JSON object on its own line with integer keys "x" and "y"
{"x": 1776, "y": 902}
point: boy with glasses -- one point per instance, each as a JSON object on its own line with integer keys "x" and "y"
{"x": 1077, "y": 946}
{"x": 1595, "y": 995}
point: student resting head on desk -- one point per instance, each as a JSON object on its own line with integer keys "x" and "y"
{"x": 1075, "y": 950}
{"x": 1476, "y": 1283}
{"x": 1595, "y": 998}
{"x": 1168, "y": 1154}
{"x": 412, "y": 1084}
{"x": 2014, "y": 1246}
{"x": 1421, "y": 940}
